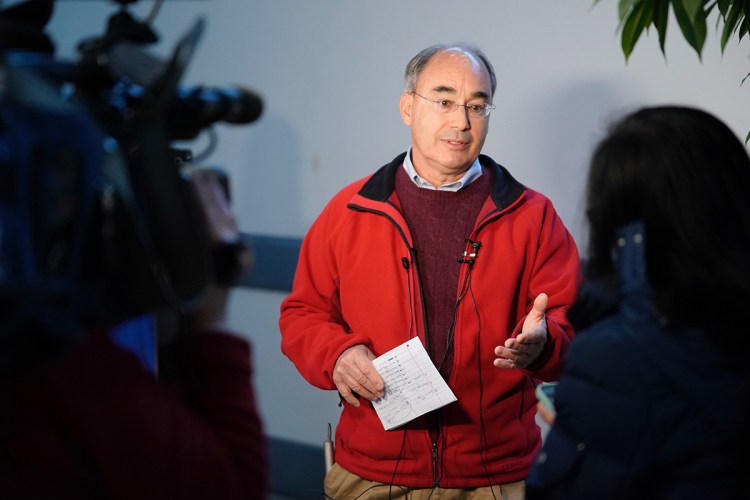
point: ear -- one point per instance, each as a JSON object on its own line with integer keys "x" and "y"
{"x": 405, "y": 105}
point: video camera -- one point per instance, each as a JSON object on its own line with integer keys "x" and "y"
{"x": 97, "y": 220}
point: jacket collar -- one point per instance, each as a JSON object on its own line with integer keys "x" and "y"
{"x": 629, "y": 257}
{"x": 628, "y": 291}
{"x": 505, "y": 189}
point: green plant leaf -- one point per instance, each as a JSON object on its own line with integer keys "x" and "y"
{"x": 625, "y": 7}
{"x": 695, "y": 35}
{"x": 731, "y": 20}
{"x": 638, "y": 19}
{"x": 692, "y": 8}
{"x": 700, "y": 27}
{"x": 744, "y": 27}
{"x": 624, "y": 11}
{"x": 661, "y": 19}
{"x": 723, "y": 6}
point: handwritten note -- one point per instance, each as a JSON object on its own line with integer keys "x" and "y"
{"x": 413, "y": 386}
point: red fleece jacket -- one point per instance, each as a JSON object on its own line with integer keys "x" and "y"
{"x": 357, "y": 282}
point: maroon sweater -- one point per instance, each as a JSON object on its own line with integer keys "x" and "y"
{"x": 94, "y": 424}
{"x": 440, "y": 222}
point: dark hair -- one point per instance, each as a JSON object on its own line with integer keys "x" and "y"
{"x": 686, "y": 176}
{"x": 419, "y": 61}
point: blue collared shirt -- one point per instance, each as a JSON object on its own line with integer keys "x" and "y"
{"x": 473, "y": 173}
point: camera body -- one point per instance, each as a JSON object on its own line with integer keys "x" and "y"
{"x": 97, "y": 221}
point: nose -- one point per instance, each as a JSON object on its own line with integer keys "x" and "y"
{"x": 459, "y": 118}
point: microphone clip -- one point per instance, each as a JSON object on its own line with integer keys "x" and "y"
{"x": 470, "y": 254}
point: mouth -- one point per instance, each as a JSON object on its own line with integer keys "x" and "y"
{"x": 456, "y": 143}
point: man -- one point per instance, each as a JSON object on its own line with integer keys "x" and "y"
{"x": 444, "y": 245}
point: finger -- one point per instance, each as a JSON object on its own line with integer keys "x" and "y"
{"x": 540, "y": 305}
{"x": 516, "y": 358}
{"x": 504, "y": 363}
{"x": 540, "y": 302}
{"x": 361, "y": 377}
{"x": 372, "y": 382}
{"x": 526, "y": 339}
{"x": 366, "y": 375}
{"x": 364, "y": 387}
{"x": 547, "y": 415}
{"x": 506, "y": 358}
{"x": 516, "y": 346}
{"x": 505, "y": 351}
{"x": 347, "y": 394}
{"x": 372, "y": 379}
{"x": 355, "y": 373}
{"x": 524, "y": 344}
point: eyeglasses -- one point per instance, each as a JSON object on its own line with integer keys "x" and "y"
{"x": 445, "y": 106}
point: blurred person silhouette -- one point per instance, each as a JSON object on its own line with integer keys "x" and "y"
{"x": 81, "y": 416}
{"x": 87, "y": 420}
{"x": 654, "y": 399}
{"x": 444, "y": 245}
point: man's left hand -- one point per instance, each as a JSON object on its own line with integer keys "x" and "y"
{"x": 521, "y": 351}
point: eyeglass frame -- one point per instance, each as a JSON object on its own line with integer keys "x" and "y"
{"x": 486, "y": 106}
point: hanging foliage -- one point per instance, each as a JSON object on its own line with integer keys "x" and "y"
{"x": 691, "y": 16}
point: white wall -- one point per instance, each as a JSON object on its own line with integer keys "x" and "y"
{"x": 330, "y": 73}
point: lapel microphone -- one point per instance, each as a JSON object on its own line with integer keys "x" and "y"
{"x": 470, "y": 255}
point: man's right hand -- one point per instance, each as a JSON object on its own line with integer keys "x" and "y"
{"x": 355, "y": 373}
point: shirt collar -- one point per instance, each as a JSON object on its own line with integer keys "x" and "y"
{"x": 473, "y": 173}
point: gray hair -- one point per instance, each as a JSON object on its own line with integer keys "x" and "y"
{"x": 418, "y": 62}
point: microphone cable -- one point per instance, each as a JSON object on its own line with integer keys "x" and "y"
{"x": 407, "y": 267}
{"x": 465, "y": 287}
{"x": 481, "y": 392}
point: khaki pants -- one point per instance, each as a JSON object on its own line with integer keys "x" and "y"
{"x": 341, "y": 484}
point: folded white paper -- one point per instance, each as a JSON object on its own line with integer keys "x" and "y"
{"x": 413, "y": 386}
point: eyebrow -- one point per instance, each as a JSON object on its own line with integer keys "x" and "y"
{"x": 450, "y": 90}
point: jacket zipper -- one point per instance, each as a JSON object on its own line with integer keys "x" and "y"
{"x": 435, "y": 482}
{"x": 411, "y": 264}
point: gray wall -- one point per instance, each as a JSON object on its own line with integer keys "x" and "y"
{"x": 330, "y": 73}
